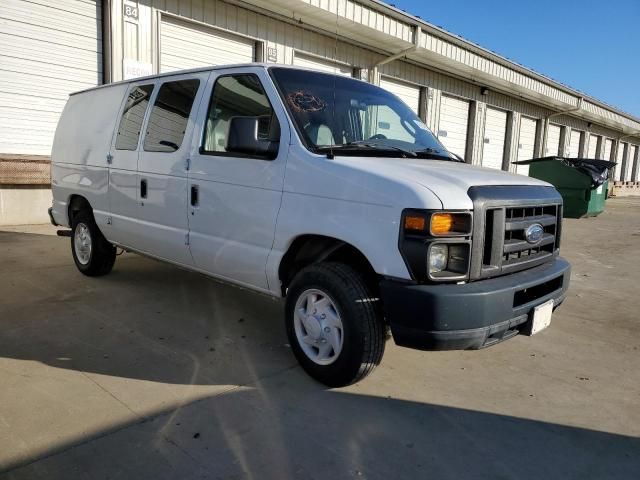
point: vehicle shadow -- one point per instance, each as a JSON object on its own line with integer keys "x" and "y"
{"x": 291, "y": 429}
{"x": 149, "y": 325}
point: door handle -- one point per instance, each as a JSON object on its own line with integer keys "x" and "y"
{"x": 143, "y": 188}
{"x": 195, "y": 196}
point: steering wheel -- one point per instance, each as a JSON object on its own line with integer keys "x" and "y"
{"x": 378, "y": 136}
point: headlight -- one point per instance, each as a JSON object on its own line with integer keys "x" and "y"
{"x": 438, "y": 258}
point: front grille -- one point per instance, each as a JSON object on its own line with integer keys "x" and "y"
{"x": 500, "y": 223}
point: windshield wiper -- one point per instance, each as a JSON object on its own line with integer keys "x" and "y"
{"x": 434, "y": 154}
{"x": 381, "y": 146}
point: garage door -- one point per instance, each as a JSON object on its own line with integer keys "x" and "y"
{"x": 306, "y": 61}
{"x": 47, "y": 51}
{"x": 608, "y": 146}
{"x": 618, "y": 172}
{"x": 553, "y": 141}
{"x": 526, "y": 143}
{"x": 633, "y": 152}
{"x": 494, "y": 132}
{"x": 593, "y": 146}
{"x": 454, "y": 121}
{"x": 189, "y": 45}
{"x": 409, "y": 94}
{"x": 574, "y": 144}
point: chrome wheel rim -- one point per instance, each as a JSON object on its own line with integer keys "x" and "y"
{"x": 82, "y": 243}
{"x": 318, "y": 327}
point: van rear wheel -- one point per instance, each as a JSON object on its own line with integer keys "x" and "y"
{"x": 334, "y": 324}
{"x": 92, "y": 253}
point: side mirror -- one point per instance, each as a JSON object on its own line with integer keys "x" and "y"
{"x": 243, "y": 138}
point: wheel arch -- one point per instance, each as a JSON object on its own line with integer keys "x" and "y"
{"x": 76, "y": 204}
{"x": 308, "y": 249}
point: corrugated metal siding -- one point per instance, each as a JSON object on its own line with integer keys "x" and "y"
{"x": 409, "y": 94}
{"x": 47, "y": 51}
{"x": 454, "y": 124}
{"x": 323, "y": 65}
{"x": 366, "y": 16}
{"x": 494, "y": 137}
{"x": 526, "y": 143}
{"x": 189, "y": 45}
{"x": 447, "y": 49}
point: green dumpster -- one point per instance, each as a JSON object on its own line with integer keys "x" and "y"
{"x": 582, "y": 182}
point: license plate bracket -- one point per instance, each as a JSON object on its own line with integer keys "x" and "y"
{"x": 541, "y": 317}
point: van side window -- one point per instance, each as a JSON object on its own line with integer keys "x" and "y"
{"x": 169, "y": 116}
{"x": 132, "y": 116}
{"x": 237, "y": 96}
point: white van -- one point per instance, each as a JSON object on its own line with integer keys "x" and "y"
{"x": 324, "y": 190}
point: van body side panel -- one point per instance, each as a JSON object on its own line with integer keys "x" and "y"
{"x": 80, "y": 148}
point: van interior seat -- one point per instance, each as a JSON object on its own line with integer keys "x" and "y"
{"x": 320, "y": 134}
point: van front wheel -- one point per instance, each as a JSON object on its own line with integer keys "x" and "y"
{"x": 334, "y": 324}
{"x": 92, "y": 253}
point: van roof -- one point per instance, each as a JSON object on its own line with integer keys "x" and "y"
{"x": 201, "y": 69}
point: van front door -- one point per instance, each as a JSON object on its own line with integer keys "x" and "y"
{"x": 235, "y": 198}
{"x": 162, "y": 168}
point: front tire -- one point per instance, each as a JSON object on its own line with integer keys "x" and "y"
{"x": 334, "y": 324}
{"x": 93, "y": 255}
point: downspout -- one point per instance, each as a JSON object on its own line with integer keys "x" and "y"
{"x": 373, "y": 70}
{"x": 106, "y": 42}
{"x": 545, "y": 133}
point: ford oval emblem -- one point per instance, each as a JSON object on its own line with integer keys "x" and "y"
{"x": 534, "y": 233}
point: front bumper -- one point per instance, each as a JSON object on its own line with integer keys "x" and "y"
{"x": 471, "y": 315}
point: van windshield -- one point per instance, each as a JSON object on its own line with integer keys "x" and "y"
{"x": 342, "y": 116}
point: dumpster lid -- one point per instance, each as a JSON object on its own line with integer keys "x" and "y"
{"x": 595, "y": 168}
{"x": 571, "y": 161}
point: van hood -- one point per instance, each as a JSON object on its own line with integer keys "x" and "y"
{"x": 448, "y": 180}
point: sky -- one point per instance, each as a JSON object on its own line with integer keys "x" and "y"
{"x": 590, "y": 45}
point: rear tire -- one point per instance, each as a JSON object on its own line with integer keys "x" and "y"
{"x": 334, "y": 324}
{"x": 93, "y": 255}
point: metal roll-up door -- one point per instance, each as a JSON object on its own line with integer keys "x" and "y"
{"x": 631, "y": 159}
{"x": 454, "y": 122}
{"x": 47, "y": 51}
{"x": 608, "y": 146}
{"x": 190, "y": 45}
{"x": 409, "y": 94}
{"x": 593, "y": 146}
{"x": 494, "y": 134}
{"x": 526, "y": 143}
{"x": 618, "y": 173}
{"x": 322, "y": 65}
{"x": 574, "y": 144}
{"x": 553, "y": 141}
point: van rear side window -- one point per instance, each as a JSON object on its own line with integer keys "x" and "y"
{"x": 132, "y": 117}
{"x": 170, "y": 115}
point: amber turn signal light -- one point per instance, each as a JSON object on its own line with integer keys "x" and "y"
{"x": 414, "y": 222}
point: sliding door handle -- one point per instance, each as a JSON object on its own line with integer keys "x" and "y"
{"x": 195, "y": 196}
{"x": 143, "y": 188}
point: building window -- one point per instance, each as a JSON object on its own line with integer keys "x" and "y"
{"x": 170, "y": 115}
{"x": 132, "y": 117}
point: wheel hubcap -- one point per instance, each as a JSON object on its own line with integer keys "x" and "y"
{"x": 318, "y": 327}
{"x": 82, "y": 243}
